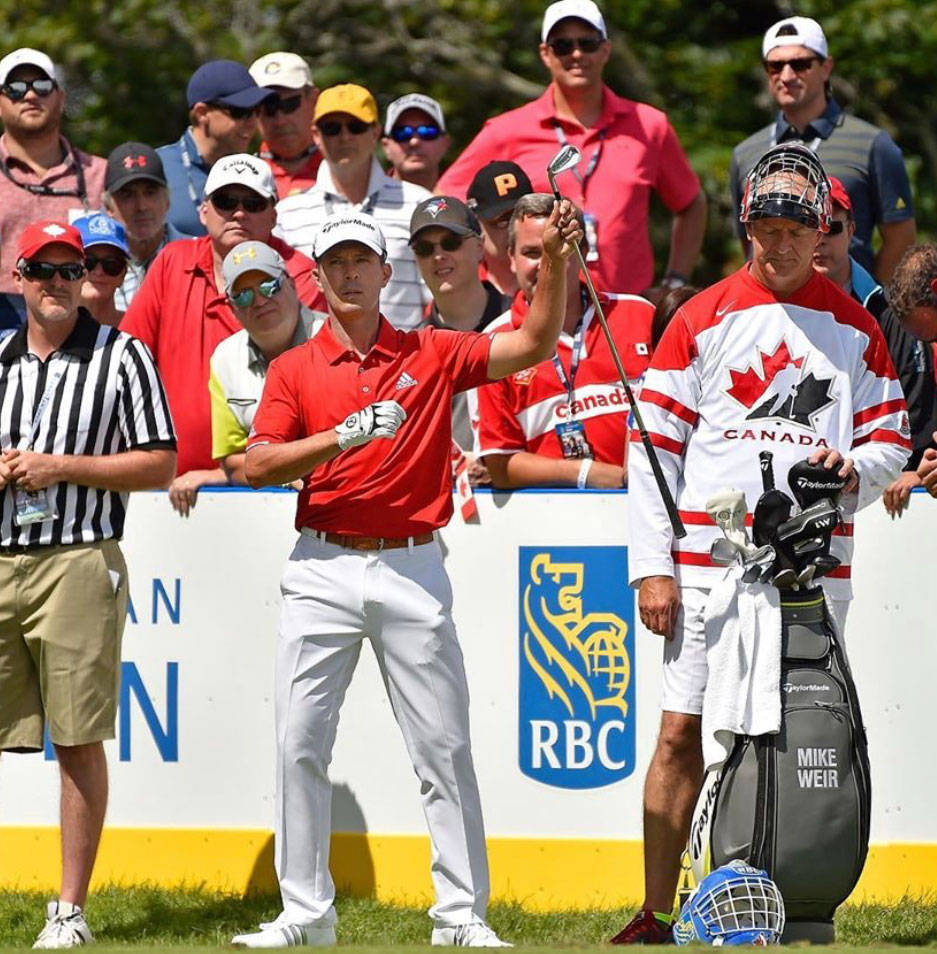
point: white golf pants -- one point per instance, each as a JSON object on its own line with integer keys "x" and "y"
{"x": 401, "y": 600}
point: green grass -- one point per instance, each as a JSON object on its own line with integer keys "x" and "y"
{"x": 192, "y": 920}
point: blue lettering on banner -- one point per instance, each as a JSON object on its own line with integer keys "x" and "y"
{"x": 160, "y": 596}
{"x": 576, "y": 646}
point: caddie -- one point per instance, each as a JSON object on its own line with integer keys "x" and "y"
{"x": 361, "y": 413}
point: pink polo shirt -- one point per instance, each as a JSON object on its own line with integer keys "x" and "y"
{"x": 19, "y": 206}
{"x": 632, "y": 150}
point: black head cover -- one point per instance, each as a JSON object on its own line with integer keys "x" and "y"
{"x": 812, "y": 482}
{"x": 773, "y": 507}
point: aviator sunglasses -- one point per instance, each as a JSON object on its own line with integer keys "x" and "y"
{"x": 281, "y": 104}
{"x": 245, "y": 298}
{"x": 423, "y": 248}
{"x": 799, "y": 64}
{"x": 17, "y": 89}
{"x": 427, "y": 132}
{"x": 43, "y": 271}
{"x": 565, "y": 45}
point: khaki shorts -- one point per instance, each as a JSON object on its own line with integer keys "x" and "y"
{"x": 62, "y": 615}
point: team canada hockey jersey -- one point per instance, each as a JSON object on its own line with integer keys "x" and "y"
{"x": 739, "y": 371}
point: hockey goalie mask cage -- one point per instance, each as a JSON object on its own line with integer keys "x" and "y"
{"x": 788, "y": 182}
{"x": 736, "y": 904}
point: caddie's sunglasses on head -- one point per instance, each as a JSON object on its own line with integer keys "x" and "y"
{"x": 281, "y": 104}
{"x": 800, "y": 64}
{"x": 113, "y": 265}
{"x": 43, "y": 271}
{"x": 449, "y": 243}
{"x": 565, "y": 45}
{"x": 228, "y": 202}
{"x": 17, "y": 89}
{"x": 235, "y": 112}
{"x": 245, "y": 298}
{"x": 406, "y": 133}
{"x": 332, "y": 127}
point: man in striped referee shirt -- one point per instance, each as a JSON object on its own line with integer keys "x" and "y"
{"x": 83, "y": 421}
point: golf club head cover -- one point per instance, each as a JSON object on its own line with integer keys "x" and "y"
{"x": 812, "y": 482}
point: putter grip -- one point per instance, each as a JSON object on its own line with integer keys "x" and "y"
{"x": 679, "y": 531}
{"x": 765, "y": 459}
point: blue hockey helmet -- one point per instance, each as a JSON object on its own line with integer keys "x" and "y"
{"x": 735, "y": 904}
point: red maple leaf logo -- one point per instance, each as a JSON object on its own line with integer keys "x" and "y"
{"x": 749, "y": 386}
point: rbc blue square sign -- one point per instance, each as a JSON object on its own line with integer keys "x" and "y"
{"x": 576, "y": 699}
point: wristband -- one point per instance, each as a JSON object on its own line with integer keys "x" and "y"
{"x": 584, "y": 469}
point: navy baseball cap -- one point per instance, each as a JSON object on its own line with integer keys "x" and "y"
{"x": 226, "y": 82}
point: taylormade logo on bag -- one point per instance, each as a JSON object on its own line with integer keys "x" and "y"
{"x": 817, "y": 768}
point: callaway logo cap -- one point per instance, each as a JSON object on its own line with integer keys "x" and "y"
{"x": 34, "y": 238}
{"x": 445, "y": 212}
{"x": 346, "y": 98}
{"x": 281, "y": 69}
{"x": 796, "y": 31}
{"x": 101, "y": 229}
{"x": 575, "y": 10}
{"x": 241, "y": 169}
{"x": 349, "y": 227}
{"x": 250, "y": 257}
{"x": 130, "y": 161}
{"x": 225, "y": 82}
{"x": 26, "y": 56}
{"x": 496, "y": 188}
{"x": 425, "y": 104}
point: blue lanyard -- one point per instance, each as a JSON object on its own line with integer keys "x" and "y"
{"x": 187, "y": 165}
{"x": 593, "y": 160}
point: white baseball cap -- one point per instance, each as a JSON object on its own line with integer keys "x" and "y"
{"x": 419, "y": 101}
{"x": 349, "y": 227}
{"x": 796, "y": 31}
{"x": 281, "y": 69}
{"x": 242, "y": 169}
{"x": 26, "y": 56}
{"x": 578, "y": 9}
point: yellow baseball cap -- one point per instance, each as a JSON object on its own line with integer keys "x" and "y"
{"x": 346, "y": 98}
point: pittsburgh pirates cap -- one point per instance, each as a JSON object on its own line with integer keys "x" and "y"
{"x": 100, "y": 229}
{"x": 37, "y": 236}
{"x": 444, "y": 212}
{"x": 131, "y": 161}
{"x": 349, "y": 227}
{"x": 796, "y": 31}
{"x": 281, "y": 69}
{"x": 496, "y": 188}
{"x": 572, "y": 9}
{"x": 27, "y": 56}
{"x": 250, "y": 257}
{"x": 419, "y": 101}
{"x": 241, "y": 169}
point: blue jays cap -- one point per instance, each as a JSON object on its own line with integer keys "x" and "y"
{"x": 226, "y": 82}
{"x": 101, "y": 229}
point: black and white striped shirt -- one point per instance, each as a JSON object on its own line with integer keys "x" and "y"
{"x": 105, "y": 397}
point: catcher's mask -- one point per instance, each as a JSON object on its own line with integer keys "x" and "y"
{"x": 788, "y": 182}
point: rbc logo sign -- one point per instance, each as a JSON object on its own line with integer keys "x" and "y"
{"x": 576, "y": 699}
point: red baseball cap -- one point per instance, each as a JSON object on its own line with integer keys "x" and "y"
{"x": 839, "y": 195}
{"x": 35, "y": 237}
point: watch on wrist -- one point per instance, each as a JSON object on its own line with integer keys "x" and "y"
{"x": 674, "y": 280}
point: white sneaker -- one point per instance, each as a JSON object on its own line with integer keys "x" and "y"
{"x": 65, "y": 927}
{"x": 287, "y": 935}
{"x": 474, "y": 934}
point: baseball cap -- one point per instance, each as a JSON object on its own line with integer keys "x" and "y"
{"x": 839, "y": 195}
{"x": 795, "y": 31}
{"x": 419, "y": 101}
{"x": 496, "y": 188}
{"x": 445, "y": 212}
{"x": 577, "y": 9}
{"x": 27, "y": 56}
{"x": 35, "y": 237}
{"x": 349, "y": 227}
{"x": 250, "y": 257}
{"x": 346, "y": 98}
{"x": 227, "y": 82}
{"x": 130, "y": 161}
{"x": 281, "y": 69}
{"x": 241, "y": 169}
{"x": 100, "y": 229}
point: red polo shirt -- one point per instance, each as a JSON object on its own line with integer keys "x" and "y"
{"x": 289, "y": 183}
{"x": 637, "y": 152}
{"x": 181, "y": 316}
{"x": 386, "y": 488}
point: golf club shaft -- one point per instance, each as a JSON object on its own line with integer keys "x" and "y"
{"x": 676, "y": 523}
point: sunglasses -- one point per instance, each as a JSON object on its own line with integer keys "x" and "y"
{"x": 799, "y": 64}
{"x": 429, "y": 132}
{"x": 837, "y": 228}
{"x": 43, "y": 271}
{"x": 565, "y": 45}
{"x": 113, "y": 265}
{"x": 229, "y": 202}
{"x": 450, "y": 243}
{"x": 332, "y": 127}
{"x": 235, "y": 112}
{"x": 245, "y": 298}
{"x": 17, "y": 89}
{"x": 280, "y": 104}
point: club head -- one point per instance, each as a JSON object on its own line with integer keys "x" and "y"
{"x": 808, "y": 546}
{"x": 724, "y": 552}
{"x": 784, "y": 579}
{"x": 824, "y": 565}
{"x": 805, "y": 577}
{"x": 759, "y": 564}
{"x": 567, "y": 158}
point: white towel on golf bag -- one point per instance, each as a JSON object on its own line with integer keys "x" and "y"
{"x": 742, "y": 623}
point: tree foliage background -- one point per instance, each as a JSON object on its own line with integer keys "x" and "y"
{"x": 127, "y": 63}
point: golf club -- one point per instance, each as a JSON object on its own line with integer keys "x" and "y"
{"x": 725, "y": 552}
{"x": 568, "y": 158}
{"x": 773, "y": 507}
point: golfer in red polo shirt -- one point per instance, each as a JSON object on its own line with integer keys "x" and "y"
{"x": 362, "y": 414}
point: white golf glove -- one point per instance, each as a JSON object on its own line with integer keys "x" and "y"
{"x": 380, "y": 419}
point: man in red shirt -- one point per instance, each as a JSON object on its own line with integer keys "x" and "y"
{"x": 361, "y": 414}
{"x": 629, "y": 150}
{"x": 181, "y": 311}
{"x": 564, "y": 422}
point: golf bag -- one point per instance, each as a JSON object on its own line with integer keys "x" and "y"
{"x": 797, "y": 804}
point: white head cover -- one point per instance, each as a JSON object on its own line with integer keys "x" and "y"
{"x": 26, "y": 56}
{"x": 242, "y": 169}
{"x": 795, "y": 31}
{"x": 577, "y": 9}
{"x": 349, "y": 227}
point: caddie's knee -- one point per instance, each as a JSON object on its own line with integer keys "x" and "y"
{"x": 680, "y": 741}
